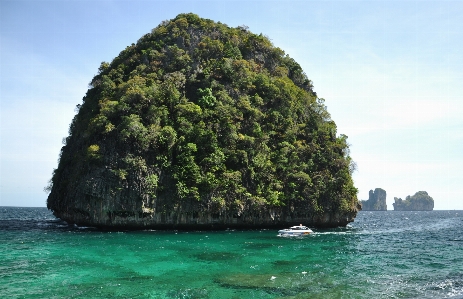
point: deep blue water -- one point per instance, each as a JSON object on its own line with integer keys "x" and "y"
{"x": 380, "y": 255}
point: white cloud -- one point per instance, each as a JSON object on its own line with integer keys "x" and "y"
{"x": 370, "y": 99}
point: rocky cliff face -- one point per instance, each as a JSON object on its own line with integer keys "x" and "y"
{"x": 199, "y": 125}
{"x": 376, "y": 201}
{"x": 421, "y": 201}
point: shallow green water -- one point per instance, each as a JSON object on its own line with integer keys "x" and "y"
{"x": 381, "y": 255}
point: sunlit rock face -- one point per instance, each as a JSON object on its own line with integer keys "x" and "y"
{"x": 421, "y": 201}
{"x": 199, "y": 125}
{"x": 376, "y": 201}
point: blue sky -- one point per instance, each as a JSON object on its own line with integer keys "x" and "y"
{"x": 391, "y": 73}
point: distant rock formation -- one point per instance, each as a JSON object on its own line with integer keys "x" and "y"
{"x": 376, "y": 201}
{"x": 421, "y": 201}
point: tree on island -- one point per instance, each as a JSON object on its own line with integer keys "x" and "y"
{"x": 421, "y": 201}
{"x": 200, "y": 124}
{"x": 376, "y": 201}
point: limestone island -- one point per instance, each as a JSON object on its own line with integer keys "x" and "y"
{"x": 198, "y": 125}
{"x": 376, "y": 201}
{"x": 421, "y": 201}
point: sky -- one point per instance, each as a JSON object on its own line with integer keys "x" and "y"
{"x": 391, "y": 74}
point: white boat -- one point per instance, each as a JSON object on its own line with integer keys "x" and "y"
{"x": 297, "y": 230}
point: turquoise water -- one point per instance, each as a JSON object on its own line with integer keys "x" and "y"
{"x": 380, "y": 255}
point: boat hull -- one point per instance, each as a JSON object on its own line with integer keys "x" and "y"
{"x": 293, "y": 234}
{"x": 283, "y": 233}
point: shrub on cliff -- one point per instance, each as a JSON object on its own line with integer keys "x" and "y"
{"x": 200, "y": 117}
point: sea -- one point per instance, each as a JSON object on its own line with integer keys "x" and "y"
{"x": 388, "y": 254}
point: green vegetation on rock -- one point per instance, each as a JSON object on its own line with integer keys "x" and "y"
{"x": 202, "y": 124}
{"x": 421, "y": 201}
